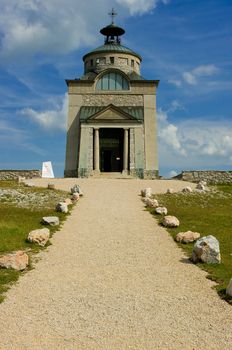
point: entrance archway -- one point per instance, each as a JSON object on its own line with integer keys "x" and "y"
{"x": 111, "y": 149}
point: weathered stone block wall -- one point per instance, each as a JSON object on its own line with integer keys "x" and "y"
{"x": 210, "y": 176}
{"x": 117, "y": 100}
{"x": 99, "y": 62}
{"x": 14, "y": 174}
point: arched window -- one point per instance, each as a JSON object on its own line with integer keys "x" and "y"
{"x": 112, "y": 81}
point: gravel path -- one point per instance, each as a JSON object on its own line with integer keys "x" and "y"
{"x": 114, "y": 280}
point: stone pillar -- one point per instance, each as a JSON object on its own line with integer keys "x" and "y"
{"x": 125, "y": 151}
{"x": 96, "y": 150}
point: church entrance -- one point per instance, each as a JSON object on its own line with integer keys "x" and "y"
{"x": 111, "y": 150}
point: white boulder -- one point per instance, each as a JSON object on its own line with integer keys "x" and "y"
{"x": 206, "y": 250}
{"x": 152, "y": 203}
{"x": 51, "y": 220}
{"x": 75, "y": 197}
{"x": 40, "y": 236}
{"x": 76, "y": 189}
{"x": 201, "y": 187}
{"x": 62, "y": 207}
{"x": 21, "y": 179}
{"x": 229, "y": 288}
{"x": 17, "y": 260}
{"x": 147, "y": 192}
{"x": 170, "y": 221}
{"x": 161, "y": 210}
{"x": 187, "y": 237}
{"x": 187, "y": 189}
{"x": 202, "y": 182}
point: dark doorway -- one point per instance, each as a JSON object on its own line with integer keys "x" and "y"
{"x": 111, "y": 150}
{"x": 107, "y": 159}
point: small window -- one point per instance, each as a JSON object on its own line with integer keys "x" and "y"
{"x": 132, "y": 63}
{"x": 112, "y": 60}
{"x": 91, "y": 62}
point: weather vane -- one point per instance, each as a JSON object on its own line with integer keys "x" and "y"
{"x": 113, "y": 14}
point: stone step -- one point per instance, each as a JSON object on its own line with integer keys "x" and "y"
{"x": 111, "y": 175}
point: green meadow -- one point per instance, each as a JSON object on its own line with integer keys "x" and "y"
{"x": 21, "y": 210}
{"x": 209, "y": 214}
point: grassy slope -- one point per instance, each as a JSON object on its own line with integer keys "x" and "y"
{"x": 16, "y": 223}
{"x": 208, "y": 214}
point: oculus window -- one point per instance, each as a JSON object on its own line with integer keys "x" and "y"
{"x": 112, "y": 81}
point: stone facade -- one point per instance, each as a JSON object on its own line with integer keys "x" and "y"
{"x": 210, "y": 176}
{"x": 112, "y": 114}
{"x": 117, "y": 100}
{"x": 15, "y": 174}
{"x": 128, "y": 63}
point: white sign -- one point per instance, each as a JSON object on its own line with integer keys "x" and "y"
{"x": 47, "y": 170}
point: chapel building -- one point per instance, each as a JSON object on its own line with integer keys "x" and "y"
{"x": 112, "y": 114}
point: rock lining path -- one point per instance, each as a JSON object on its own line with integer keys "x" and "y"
{"x": 114, "y": 280}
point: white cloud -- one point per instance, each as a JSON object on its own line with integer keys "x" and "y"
{"x": 50, "y": 119}
{"x": 17, "y": 139}
{"x": 208, "y": 138}
{"x": 205, "y": 70}
{"x": 168, "y": 133}
{"x": 43, "y": 26}
{"x": 175, "y": 82}
{"x": 138, "y": 6}
{"x": 198, "y": 72}
{"x": 176, "y": 105}
{"x": 28, "y": 27}
{"x": 194, "y": 143}
{"x": 189, "y": 78}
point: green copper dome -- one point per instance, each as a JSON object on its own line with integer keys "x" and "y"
{"x": 112, "y": 35}
{"x": 114, "y": 48}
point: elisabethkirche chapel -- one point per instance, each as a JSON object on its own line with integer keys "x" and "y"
{"x": 112, "y": 114}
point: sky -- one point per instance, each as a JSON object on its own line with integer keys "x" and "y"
{"x": 186, "y": 44}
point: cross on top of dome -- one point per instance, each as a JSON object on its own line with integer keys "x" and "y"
{"x": 112, "y": 14}
{"x": 112, "y": 32}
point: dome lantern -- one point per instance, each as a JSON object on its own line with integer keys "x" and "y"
{"x": 112, "y": 32}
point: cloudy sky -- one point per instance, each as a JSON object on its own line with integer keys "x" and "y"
{"x": 187, "y": 44}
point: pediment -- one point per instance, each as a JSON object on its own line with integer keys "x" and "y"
{"x": 111, "y": 113}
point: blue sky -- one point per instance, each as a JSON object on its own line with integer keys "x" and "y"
{"x": 187, "y": 44}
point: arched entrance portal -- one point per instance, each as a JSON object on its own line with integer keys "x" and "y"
{"x": 111, "y": 149}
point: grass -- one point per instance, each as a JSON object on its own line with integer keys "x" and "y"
{"x": 16, "y": 222}
{"x": 208, "y": 214}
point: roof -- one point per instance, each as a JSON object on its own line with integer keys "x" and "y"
{"x": 112, "y": 47}
{"x": 131, "y": 75}
{"x": 89, "y": 80}
{"x": 112, "y": 30}
{"x": 87, "y": 112}
{"x": 135, "y": 76}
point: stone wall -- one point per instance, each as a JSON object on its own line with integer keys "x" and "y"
{"x": 14, "y": 174}
{"x": 210, "y": 176}
{"x": 99, "y": 62}
{"x": 117, "y": 100}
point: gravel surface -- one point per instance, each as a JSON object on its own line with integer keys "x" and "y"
{"x": 114, "y": 280}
